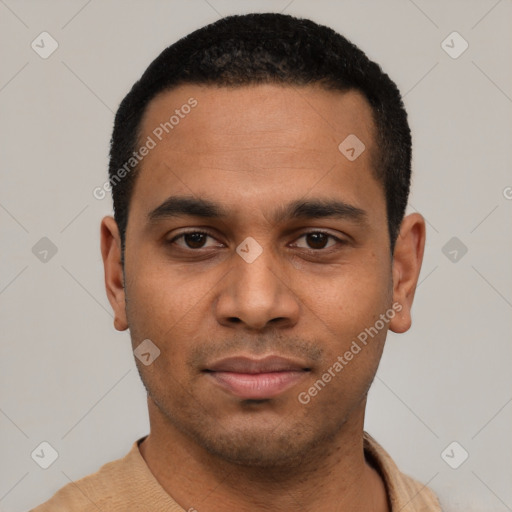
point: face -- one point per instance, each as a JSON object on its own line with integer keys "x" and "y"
{"x": 257, "y": 254}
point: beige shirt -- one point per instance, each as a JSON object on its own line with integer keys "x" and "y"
{"x": 128, "y": 484}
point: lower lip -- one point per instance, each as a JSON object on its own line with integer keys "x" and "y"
{"x": 257, "y": 386}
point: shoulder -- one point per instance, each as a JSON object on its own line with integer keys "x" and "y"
{"x": 98, "y": 491}
{"x": 404, "y": 492}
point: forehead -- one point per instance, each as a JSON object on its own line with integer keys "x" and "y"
{"x": 253, "y": 142}
{"x": 306, "y": 114}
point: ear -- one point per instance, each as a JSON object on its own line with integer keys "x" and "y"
{"x": 407, "y": 259}
{"x": 114, "y": 280}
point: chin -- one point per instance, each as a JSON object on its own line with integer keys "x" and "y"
{"x": 262, "y": 446}
{"x": 250, "y": 449}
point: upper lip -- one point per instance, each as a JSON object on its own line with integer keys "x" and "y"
{"x": 268, "y": 364}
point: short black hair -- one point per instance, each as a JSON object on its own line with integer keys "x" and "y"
{"x": 269, "y": 48}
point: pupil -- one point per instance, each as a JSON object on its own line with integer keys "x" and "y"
{"x": 194, "y": 240}
{"x": 317, "y": 240}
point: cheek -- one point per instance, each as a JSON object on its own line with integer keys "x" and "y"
{"x": 350, "y": 299}
{"x": 353, "y": 348}
{"x": 348, "y": 306}
{"x": 160, "y": 311}
{"x": 163, "y": 306}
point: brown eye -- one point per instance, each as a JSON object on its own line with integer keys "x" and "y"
{"x": 192, "y": 240}
{"x": 317, "y": 240}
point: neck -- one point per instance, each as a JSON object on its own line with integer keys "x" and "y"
{"x": 335, "y": 477}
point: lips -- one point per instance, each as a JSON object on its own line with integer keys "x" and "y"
{"x": 256, "y": 379}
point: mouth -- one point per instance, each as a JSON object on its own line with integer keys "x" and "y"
{"x": 256, "y": 379}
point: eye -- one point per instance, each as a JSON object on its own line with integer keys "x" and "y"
{"x": 318, "y": 240}
{"x": 192, "y": 239}
{"x": 315, "y": 240}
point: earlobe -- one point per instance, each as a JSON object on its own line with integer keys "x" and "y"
{"x": 407, "y": 259}
{"x": 114, "y": 279}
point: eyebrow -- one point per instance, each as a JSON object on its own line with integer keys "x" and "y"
{"x": 315, "y": 208}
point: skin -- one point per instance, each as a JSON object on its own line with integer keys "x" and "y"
{"x": 252, "y": 149}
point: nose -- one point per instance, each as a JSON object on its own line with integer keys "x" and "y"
{"x": 258, "y": 293}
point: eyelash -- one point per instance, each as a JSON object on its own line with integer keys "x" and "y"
{"x": 201, "y": 232}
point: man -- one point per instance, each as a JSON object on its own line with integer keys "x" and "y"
{"x": 259, "y": 253}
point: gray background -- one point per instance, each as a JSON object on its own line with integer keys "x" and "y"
{"x": 68, "y": 378}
